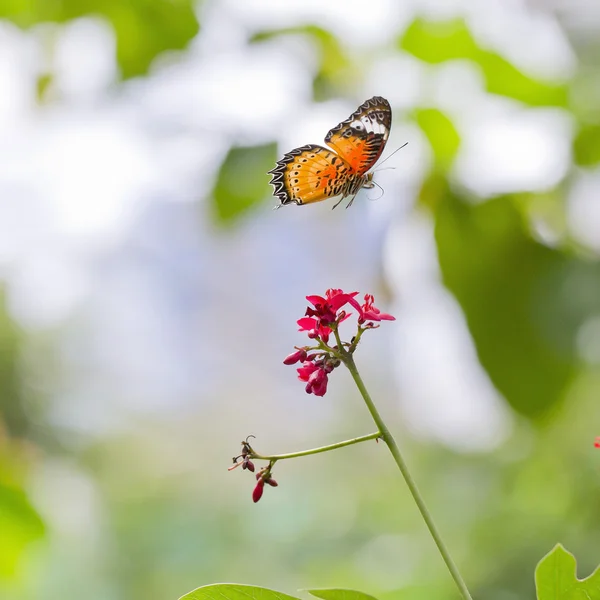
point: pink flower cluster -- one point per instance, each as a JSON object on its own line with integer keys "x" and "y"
{"x": 320, "y": 321}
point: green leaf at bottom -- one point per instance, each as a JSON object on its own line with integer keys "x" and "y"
{"x": 337, "y": 594}
{"x": 235, "y": 591}
{"x": 556, "y": 578}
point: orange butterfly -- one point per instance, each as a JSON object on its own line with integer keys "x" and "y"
{"x": 313, "y": 173}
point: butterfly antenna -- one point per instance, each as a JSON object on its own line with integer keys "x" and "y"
{"x": 392, "y": 154}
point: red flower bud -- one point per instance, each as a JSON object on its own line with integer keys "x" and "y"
{"x": 317, "y": 382}
{"x": 258, "y": 490}
{"x": 248, "y": 464}
{"x": 298, "y": 356}
{"x": 271, "y": 482}
{"x": 597, "y": 442}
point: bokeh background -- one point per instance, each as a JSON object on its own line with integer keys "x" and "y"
{"x": 149, "y": 294}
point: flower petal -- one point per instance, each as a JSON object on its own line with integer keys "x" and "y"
{"x": 306, "y": 370}
{"x": 307, "y": 324}
{"x": 316, "y": 300}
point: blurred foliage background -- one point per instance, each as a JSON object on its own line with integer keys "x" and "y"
{"x": 149, "y": 294}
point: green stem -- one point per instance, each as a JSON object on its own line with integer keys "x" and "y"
{"x": 357, "y": 440}
{"x": 387, "y": 437}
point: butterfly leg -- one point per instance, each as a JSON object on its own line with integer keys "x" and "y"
{"x": 338, "y": 202}
{"x": 351, "y": 201}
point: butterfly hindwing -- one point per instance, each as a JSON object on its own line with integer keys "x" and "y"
{"x": 308, "y": 174}
{"x": 361, "y": 138}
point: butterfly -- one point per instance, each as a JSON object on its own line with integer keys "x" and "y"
{"x": 312, "y": 173}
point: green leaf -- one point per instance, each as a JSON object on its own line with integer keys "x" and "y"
{"x": 506, "y": 285}
{"x": 235, "y": 591}
{"x": 440, "y": 41}
{"x": 586, "y": 146}
{"x": 19, "y": 524}
{"x": 556, "y": 578}
{"x": 503, "y": 78}
{"x": 242, "y": 181}
{"x": 335, "y": 73}
{"x": 441, "y": 133}
{"x": 143, "y": 28}
{"x": 339, "y": 594}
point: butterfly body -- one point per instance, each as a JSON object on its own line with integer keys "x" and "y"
{"x": 313, "y": 173}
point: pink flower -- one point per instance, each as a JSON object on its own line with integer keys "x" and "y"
{"x": 597, "y": 442}
{"x": 369, "y": 312}
{"x": 317, "y": 383}
{"x": 325, "y": 309}
{"x": 306, "y": 370}
{"x": 320, "y": 321}
{"x": 315, "y": 376}
{"x": 316, "y": 330}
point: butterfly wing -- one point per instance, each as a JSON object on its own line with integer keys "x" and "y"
{"x": 309, "y": 174}
{"x": 361, "y": 138}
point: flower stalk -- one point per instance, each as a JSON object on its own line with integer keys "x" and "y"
{"x": 389, "y": 440}
{"x": 275, "y": 457}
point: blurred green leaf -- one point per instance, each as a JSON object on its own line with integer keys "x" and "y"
{"x": 441, "y": 133}
{"x": 19, "y": 525}
{"x": 500, "y": 275}
{"x": 143, "y": 28}
{"x": 338, "y": 594}
{"x": 335, "y": 72}
{"x": 13, "y": 411}
{"x": 556, "y": 578}
{"x": 586, "y": 146}
{"x": 234, "y": 591}
{"x": 242, "y": 181}
{"x": 43, "y": 84}
{"x": 439, "y": 41}
{"x": 503, "y": 78}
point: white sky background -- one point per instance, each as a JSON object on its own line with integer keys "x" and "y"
{"x": 100, "y": 230}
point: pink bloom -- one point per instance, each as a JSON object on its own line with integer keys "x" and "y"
{"x": 306, "y": 370}
{"x": 315, "y": 377}
{"x": 325, "y": 309}
{"x": 369, "y": 312}
{"x": 315, "y": 328}
{"x": 597, "y": 442}
{"x": 317, "y": 383}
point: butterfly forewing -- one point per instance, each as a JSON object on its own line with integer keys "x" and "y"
{"x": 361, "y": 138}
{"x": 309, "y": 174}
